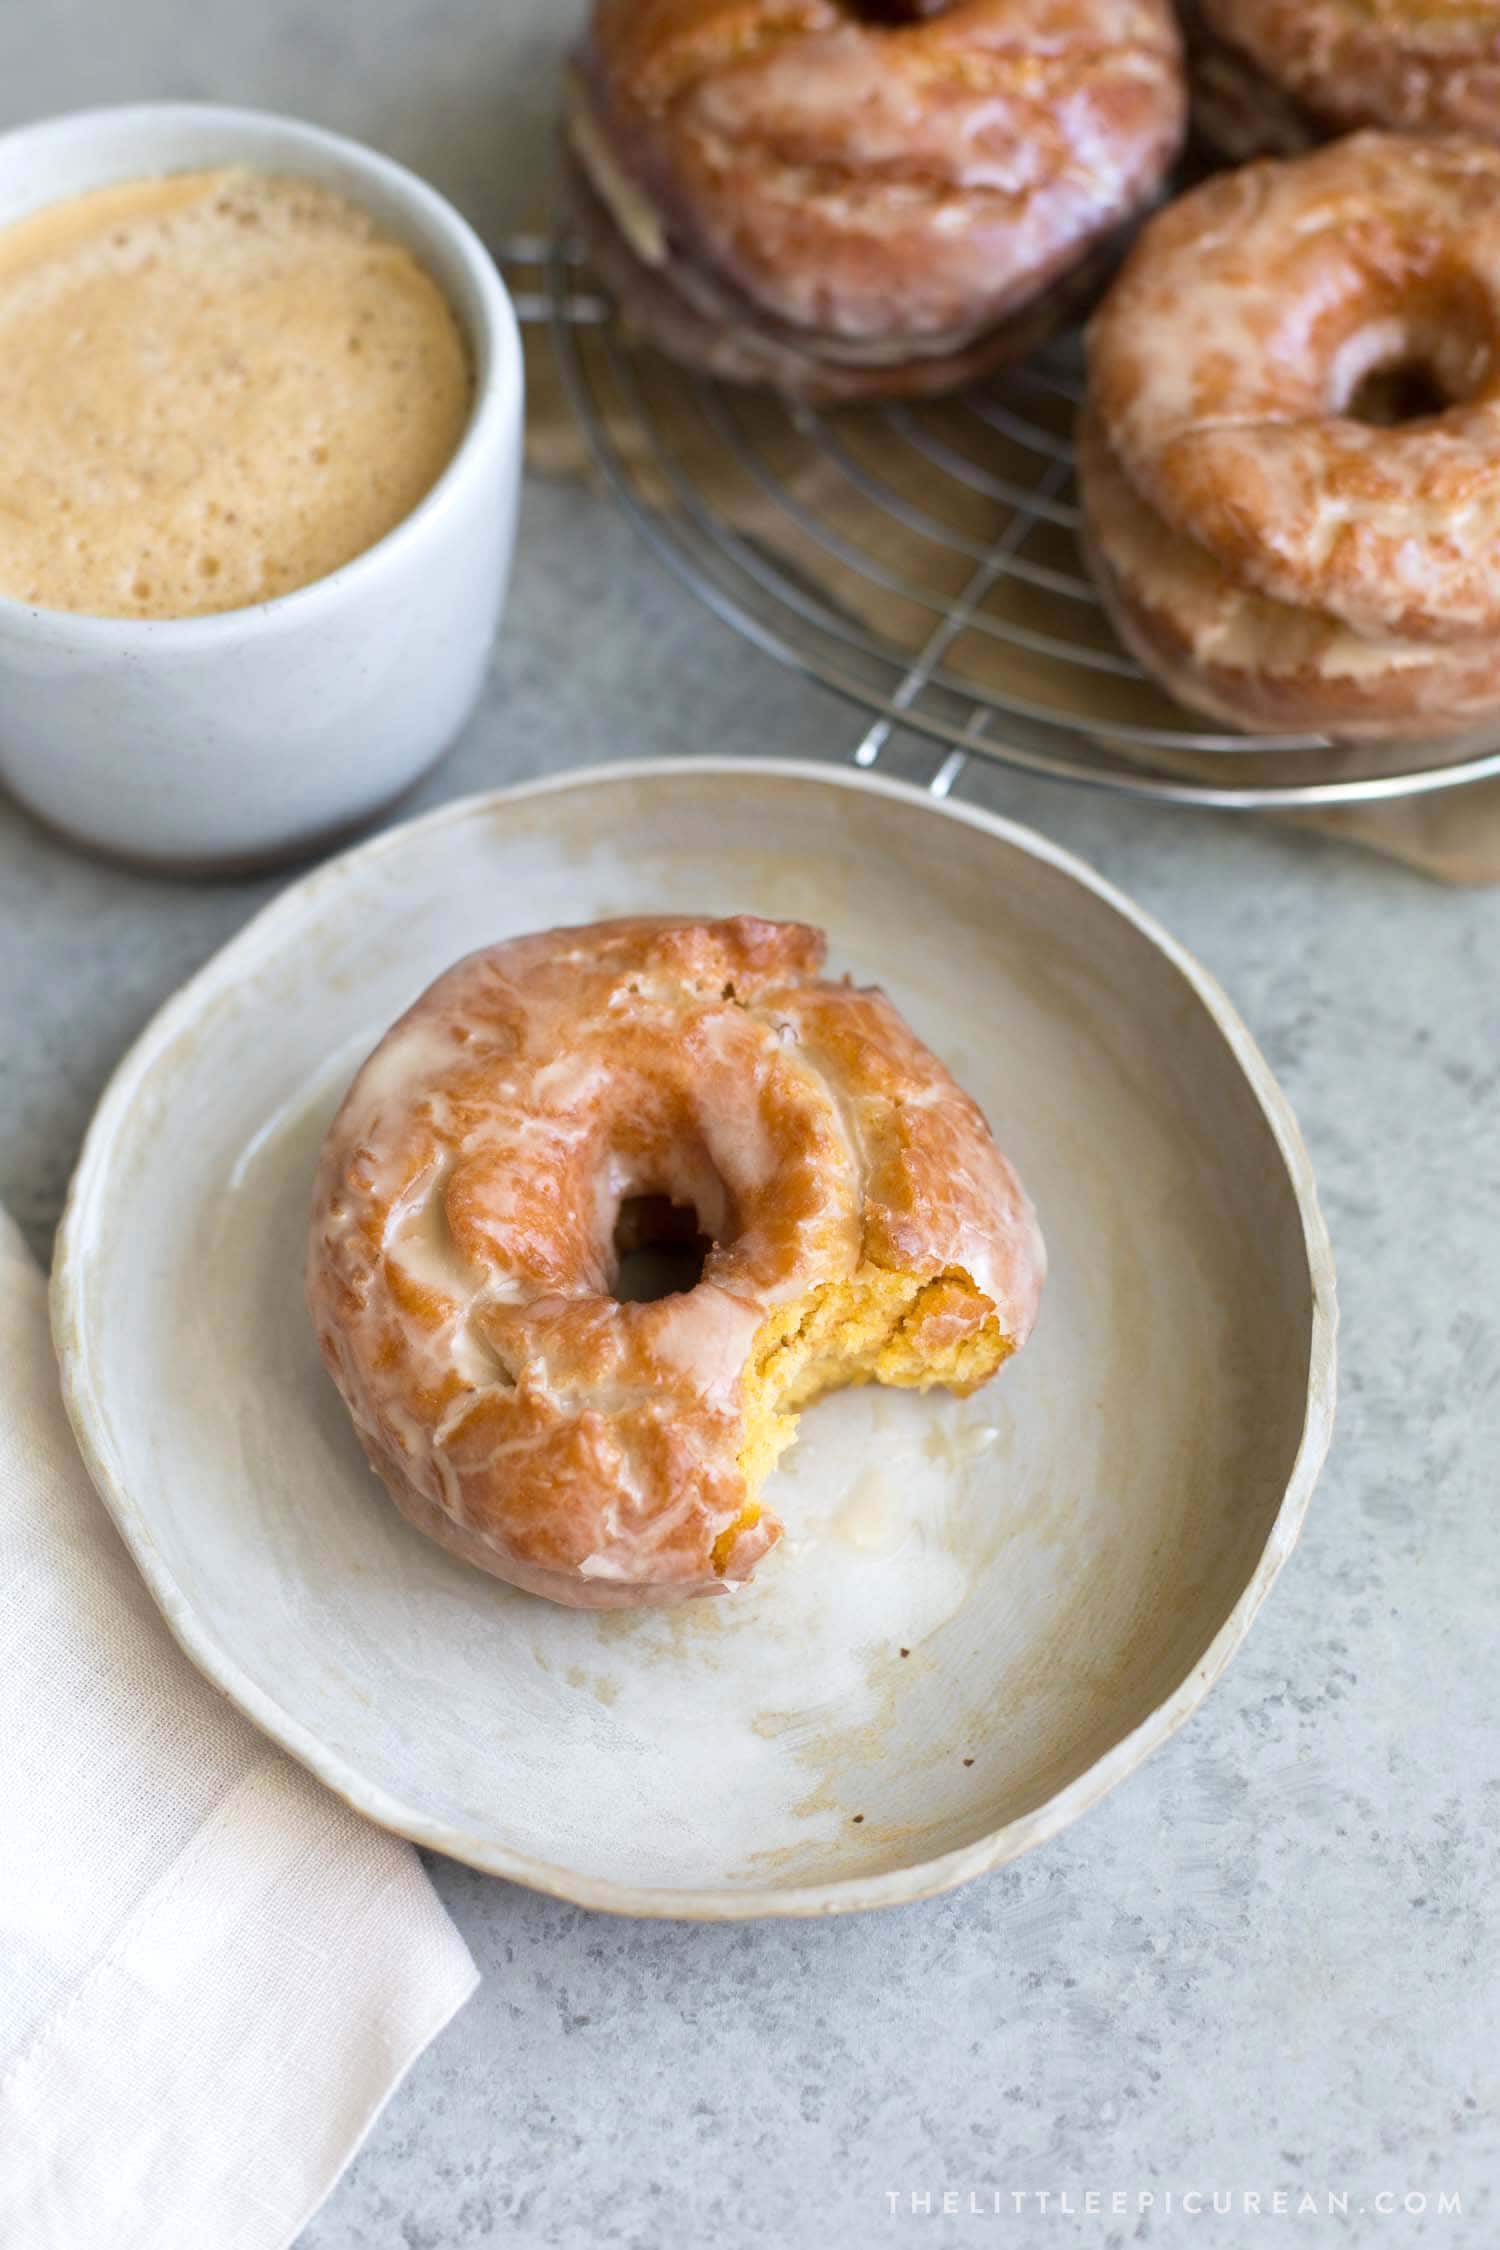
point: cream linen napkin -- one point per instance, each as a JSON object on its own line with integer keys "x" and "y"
{"x": 212, "y": 1975}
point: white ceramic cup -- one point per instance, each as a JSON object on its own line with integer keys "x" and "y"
{"x": 210, "y": 743}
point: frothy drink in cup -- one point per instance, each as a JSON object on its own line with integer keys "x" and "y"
{"x": 215, "y": 387}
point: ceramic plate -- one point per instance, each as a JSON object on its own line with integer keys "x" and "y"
{"x": 985, "y": 1611}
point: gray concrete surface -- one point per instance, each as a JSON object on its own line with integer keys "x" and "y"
{"x": 1266, "y": 1964}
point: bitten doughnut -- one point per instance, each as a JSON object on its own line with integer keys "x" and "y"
{"x": 549, "y": 1094}
{"x": 1290, "y": 458}
{"x": 846, "y": 200}
{"x": 1273, "y": 76}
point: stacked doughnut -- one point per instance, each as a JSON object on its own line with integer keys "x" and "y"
{"x": 849, "y": 200}
{"x": 1276, "y": 76}
{"x": 1289, "y": 462}
{"x": 1290, "y": 458}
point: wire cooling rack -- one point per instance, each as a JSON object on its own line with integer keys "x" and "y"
{"x": 922, "y": 561}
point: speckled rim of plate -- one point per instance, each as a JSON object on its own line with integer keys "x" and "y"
{"x": 898, "y": 1886}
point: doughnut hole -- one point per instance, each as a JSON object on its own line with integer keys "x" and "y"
{"x": 895, "y": 11}
{"x": 659, "y": 1248}
{"x": 1404, "y": 390}
{"x": 909, "y": 1330}
{"x": 1414, "y": 361}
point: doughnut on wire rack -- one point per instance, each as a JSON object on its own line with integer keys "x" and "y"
{"x": 921, "y": 559}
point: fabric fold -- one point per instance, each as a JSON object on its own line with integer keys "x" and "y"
{"x": 213, "y": 1975}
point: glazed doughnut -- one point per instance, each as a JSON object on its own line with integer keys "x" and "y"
{"x": 466, "y": 1232}
{"x": 1290, "y": 460}
{"x": 1273, "y": 76}
{"x": 848, "y": 200}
